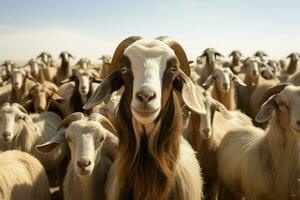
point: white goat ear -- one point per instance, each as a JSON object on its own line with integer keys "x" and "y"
{"x": 110, "y": 84}
{"x": 192, "y": 99}
{"x": 52, "y": 143}
{"x": 238, "y": 80}
{"x": 209, "y": 81}
{"x": 266, "y": 110}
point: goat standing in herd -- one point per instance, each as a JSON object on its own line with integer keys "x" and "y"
{"x": 144, "y": 124}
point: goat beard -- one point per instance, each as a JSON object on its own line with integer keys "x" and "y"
{"x": 147, "y": 160}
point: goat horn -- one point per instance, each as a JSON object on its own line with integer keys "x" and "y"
{"x": 273, "y": 90}
{"x": 20, "y": 107}
{"x": 71, "y": 118}
{"x": 120, "y": 51}
{"x": 106, "y": 123}
{"x": 179, "y": 51}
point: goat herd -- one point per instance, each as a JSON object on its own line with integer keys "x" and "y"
{"x": 150, "y": 124}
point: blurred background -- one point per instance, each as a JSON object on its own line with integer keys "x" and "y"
{"x": 92, "y": 28}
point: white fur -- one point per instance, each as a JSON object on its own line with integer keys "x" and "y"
{"x": 148, "y": 64}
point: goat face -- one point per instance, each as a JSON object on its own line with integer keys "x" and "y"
{"x": 85, "y": 80}
{"x": 286, "y": 104}
{"x": 151, "y": 65}
{"x": 34, "y": 67}
{"x": 149, "y": 70}
{"x": 84, "y": 138}
{"x": 18, "y": 78}
{"x": 251, "y": 67}
{"x": 211, "y": 56}
{"x": 10, "y": 117}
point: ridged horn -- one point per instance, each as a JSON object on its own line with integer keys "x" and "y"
{"x": 20, "y": 107}
{"x": 106, "y": 123}
{"x": 71, "y": 118}
{"x": 120, "y": 51}
{"x": 179, "y": 51}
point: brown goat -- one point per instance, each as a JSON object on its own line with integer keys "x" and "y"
{"x": 65, "y": 70}
{"x": 154, "y": 162}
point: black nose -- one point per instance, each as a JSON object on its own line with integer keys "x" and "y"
{"x": 225, "y": 85}
{"x": 145, "y": 95}
{"x": 6, "y": 134}
{"x": 83, "y": 163}
{"x": 83, "y": 87}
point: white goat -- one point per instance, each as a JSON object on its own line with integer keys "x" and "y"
{"x": 93, "y": 148}
{"x": 22, "y": 177}
{"x": 265, "y": 165}
{"x": 22, "y": 131}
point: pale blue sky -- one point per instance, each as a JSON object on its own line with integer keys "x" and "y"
{"x": 92, "y": 28}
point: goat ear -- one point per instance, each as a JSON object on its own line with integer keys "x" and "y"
{"x": 52, "y": 143}
{"x": 266, "y": 110}
{"x": 209, "y": 81}
{"x": 192, "y": 99}
{"x": 238, "y": 80}
{"x": 110, "y": 84}
{"x": 56, "y": 97}
{"x": 222, "y": 109}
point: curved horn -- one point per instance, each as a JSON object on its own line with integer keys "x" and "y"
{"x": 20, "y": 107}
{"x": 179, "y": 51}
{"x": 120, "y": 51}
{"x": 273, "y": 90}
{"x": 289, "y": 56}
{"x": 106, "y": 123}
{"x": 231, "y": 54}
{"x": 71, "y": 118}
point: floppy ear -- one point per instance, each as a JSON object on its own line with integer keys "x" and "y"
{"x": 52, "y": 143}
{"x": 209, "y": 81}
{"x": 266, "y": 110}
{"x": 110, "y": 84}
{"x": 192, "y": 99}
{"x": 238, "y": 80}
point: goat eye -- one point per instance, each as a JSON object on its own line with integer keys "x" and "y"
{"x": 68, "y": 139}
{"x": 173, "y": 69}
{"x": 124, "y": 69}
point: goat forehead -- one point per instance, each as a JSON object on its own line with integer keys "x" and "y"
{"x": 145, "y": 53}
{"x": 290, "y": 94}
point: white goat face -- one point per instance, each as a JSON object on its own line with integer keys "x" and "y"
{"x": 9, "y": 118}
{"x": 223, "y": 78}
{"x": 206, "y": 119}
{"x": 84, "y": 81}
{"x": 84, "y": 139}
{"x": 251, "y": 68}
{"x": 288, "y": 102}
{"x": 18, "y": 78}
{"x": 148, "y": 64}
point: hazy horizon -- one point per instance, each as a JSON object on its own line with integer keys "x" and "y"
{"x": 92, "y": 28}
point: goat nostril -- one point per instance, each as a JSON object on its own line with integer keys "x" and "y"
{"x": 6, "y": 134}
{"x": 83, "y": 164}
{"x": 298, "y": 122}
{"x": 206, "y": 130}
{"x": 145, "y": 96}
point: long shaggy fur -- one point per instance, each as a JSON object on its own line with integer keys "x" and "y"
{"x": 22, "y": 177}
{"x": 159, "y": 165}
{"x": 37, "y": 129}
